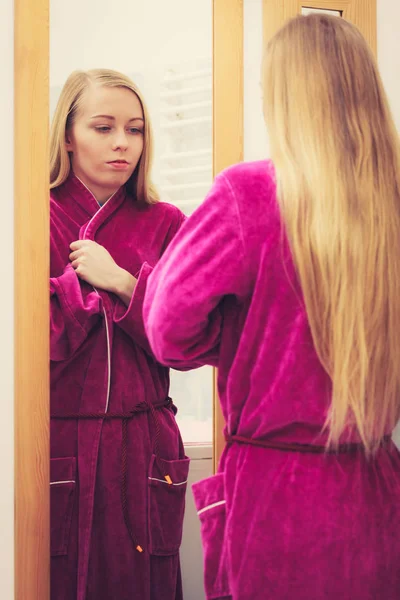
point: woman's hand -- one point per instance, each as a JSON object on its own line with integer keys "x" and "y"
{"x": 95, "y": 265}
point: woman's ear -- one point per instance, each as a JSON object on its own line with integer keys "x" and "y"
{"x": 68, "y": 141}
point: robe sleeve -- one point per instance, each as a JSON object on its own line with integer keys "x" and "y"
{"x": 205, "y": 263}
{"x": 130, "y": 318}
{"x": 75, "y": 308}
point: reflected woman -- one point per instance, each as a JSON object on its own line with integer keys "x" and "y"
{"x": 295, "y": 265}
{"x": 118, "y": 469}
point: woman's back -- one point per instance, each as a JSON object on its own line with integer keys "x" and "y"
{"x": 270, "y": 376}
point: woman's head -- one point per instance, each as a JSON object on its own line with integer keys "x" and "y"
{"x": 322, "y": 91}
{"x": 337, "y": 159}
{"x": 101, "y": 130}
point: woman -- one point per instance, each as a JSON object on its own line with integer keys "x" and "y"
{"x": 118, "y": 469}
{"x": 287, "y": 278}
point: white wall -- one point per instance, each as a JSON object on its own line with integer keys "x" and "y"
{"x": 191, "y": 551}
{"x": 389, "y": 65}
{"x": 389, "y": 52}
{"x": 125, "y": 35}
{"x": 6, "y": 305}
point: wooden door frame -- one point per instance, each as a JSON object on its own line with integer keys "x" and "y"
{"x": 31, "y": 304}
{"x": 228, "y": 128}
{"x": 31, "y": 266}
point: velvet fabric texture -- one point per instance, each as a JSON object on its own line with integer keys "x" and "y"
{"x": 101, "y": 362}
{"x": 275, "y": 525}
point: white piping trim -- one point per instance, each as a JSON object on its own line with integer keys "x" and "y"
{"x": 210, "y": 506}
{"x": 59, "y": 482}
{"x": 97, "y": 211}
{"x": 108, "y": 359}
{"x": 84, "y": 185}
{"x": 166, "y": 482}
{"x": 104, "y": 310}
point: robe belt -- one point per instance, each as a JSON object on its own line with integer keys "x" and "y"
{"x": 145, "y": 406}
{"x": 299, "y": 447}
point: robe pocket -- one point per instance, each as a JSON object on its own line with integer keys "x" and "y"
{"x": 166, "y": 504}
{"x": 209, "y": 498}
{"x": 62, "y": 492}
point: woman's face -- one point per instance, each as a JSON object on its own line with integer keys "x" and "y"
{"x": 105, "y": 141}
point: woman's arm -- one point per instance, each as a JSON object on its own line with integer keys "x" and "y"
{"x": 75, "y": 309}
{"x": 205, "y": 263}
{"x": 128, "y": 315}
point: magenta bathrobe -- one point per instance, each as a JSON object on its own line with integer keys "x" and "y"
{"x": 101, "y": 363}
{"x": 276, "y": 524}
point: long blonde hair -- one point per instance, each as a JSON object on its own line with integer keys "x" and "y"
{"x": 139, "y": 184}
{"x": 337, "y": 158}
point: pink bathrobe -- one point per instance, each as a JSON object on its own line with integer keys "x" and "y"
{"x": 101, "y": 364}
{"x": 276, "y": 524}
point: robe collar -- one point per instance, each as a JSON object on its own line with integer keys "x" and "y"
{"x": 74, "y": 187}
{"x": 97, "y": 214}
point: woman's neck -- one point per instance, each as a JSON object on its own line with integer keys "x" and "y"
{"x": 101, "y": 196}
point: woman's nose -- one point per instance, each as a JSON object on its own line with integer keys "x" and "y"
{"x": 120, "y": 140}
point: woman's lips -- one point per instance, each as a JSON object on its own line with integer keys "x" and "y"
{"x": 119, "y": 165}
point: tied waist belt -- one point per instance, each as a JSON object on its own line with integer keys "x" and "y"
{"x": 142, "y": 407}
{"x": 299, "y": 447}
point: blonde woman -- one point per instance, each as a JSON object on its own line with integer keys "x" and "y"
{"x": 288, "y": 279}
{"x": 118, "y": 470}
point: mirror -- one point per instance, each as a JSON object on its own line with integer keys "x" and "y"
{"x": 166, "y": 49}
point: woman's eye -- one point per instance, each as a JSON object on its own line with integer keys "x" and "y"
{"x": 135, "y": 130}
{"x": 103, "y": 129}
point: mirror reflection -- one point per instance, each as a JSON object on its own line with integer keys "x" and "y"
{"x": 131, "y": 158}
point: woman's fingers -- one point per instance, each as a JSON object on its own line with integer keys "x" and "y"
{"x": 76, "y": 254}
{"x": 78, "y": 244}
{"x": 75, "y": 263}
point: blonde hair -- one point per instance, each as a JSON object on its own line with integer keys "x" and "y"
{"x": 337, "y": 158}
{"x": 139, "y": 184}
